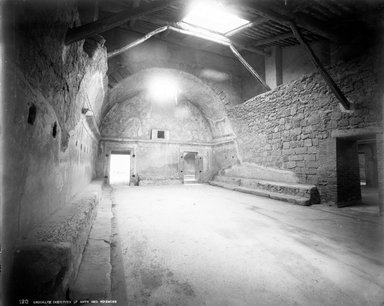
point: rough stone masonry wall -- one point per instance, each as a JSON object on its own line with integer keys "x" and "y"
{"x": 291, "y": 127}
{"x": 50, "y": 151}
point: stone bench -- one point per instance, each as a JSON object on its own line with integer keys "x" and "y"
{"x": 301, "y": 194}
{"x": 47, "y": 260}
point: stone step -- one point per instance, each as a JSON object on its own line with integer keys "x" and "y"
{"x": 187, "y": 182}
{"x": 93, "y": 281}
{"x": 294, "y": 189}
{"x": 264, "y": 193}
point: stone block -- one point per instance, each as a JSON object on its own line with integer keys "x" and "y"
{"x": 291, "y": 165}
{"x": 308, "y": 142}
{"x": 300, "y": 150}
{"x": 286, "y": 145}
{"x": 312, "y": 149}
{"x": 310, "y": 157}
{"x": 296, "y": 131}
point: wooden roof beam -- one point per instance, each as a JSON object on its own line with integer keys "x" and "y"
{"x": 238, "y": 44}
{"x": 115, "y": 20}
{"x": 281, "y": 15}
{"x": 315, "y": 60}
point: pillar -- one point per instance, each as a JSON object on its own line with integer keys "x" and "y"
{"x": 273, "y": 68}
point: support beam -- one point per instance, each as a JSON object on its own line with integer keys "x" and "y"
{"x": 136, "y": 4}
{"x": 249, "y": 67}
{"x": 219, "y": 39}
{"x": 103, "y": 25}
{"x": 178, "y": 42}
{"x": 239, "y": 45}
{"x": 137, "y": 42}
{"x": 96, "y": 10}
{"x": 315, "y": 60}
{"x": 273, "y": 68}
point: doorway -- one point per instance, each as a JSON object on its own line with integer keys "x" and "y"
{"x": 120, "y": 168}
{"x": 190, "y": 166}
{"x": 368, "y": 171}
{"x": 357, "y": 172}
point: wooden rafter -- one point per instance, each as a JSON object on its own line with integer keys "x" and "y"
{"x": 108, "y": 23}
{"x": 273, "y": 39}
{"x": 178, "y": 42}
{"x": 252, "y": 24}
{"x": 238, "y": 44}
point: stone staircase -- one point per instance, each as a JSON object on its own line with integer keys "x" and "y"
{"x": 190, "y": 179}
{"x": 290, "y": 192}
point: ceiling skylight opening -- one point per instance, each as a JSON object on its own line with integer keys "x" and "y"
{"x": 213, "y": 16}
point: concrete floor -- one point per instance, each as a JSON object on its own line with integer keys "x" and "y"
{"x": 203, "y": 245}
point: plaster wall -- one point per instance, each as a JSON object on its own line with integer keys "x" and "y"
{"x": 295, "y": 126}
{"x": 296, "y": 62}
{"x": 50, "y": 150}
{"x": 156, "y": 162}
{"x": 128, "y": 126}
{"x": 197, "y": 123}
{"x": 136, "y": 117}
{"x": 250, "y": 86}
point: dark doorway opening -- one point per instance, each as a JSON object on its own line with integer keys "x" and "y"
{"x": 120, "y": 168}
{"x": 190, "y": 166}
{"x": 369, "y": 182}
{"x": 357, "y": 172}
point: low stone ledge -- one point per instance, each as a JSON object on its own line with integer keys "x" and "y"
{"x": 277, "y": 190}
{"x": 264, "y": 193}
{"x": 47, "y": 261}
{"x": 160, "y": 182}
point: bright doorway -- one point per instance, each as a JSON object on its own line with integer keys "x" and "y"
{"x": 120, "y": 168}
{"x": 190, "y": 167}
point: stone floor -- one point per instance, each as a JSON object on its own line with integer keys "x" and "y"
{"x": 204, "y": 245}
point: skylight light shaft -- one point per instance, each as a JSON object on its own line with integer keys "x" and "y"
{"x": 213, "y": 17}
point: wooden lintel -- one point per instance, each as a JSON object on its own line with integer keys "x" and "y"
{"x": 328, "y": 79}
{"x": 108, "y": 23}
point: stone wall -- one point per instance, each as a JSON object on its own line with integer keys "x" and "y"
{"x": 50, "y": 149}
{"x": 295, "y": 126}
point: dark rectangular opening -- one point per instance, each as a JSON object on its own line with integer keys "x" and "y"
{"x": 161, "y": 134}
{"x": 357, "y": 171}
